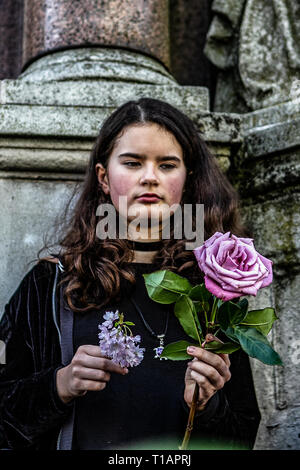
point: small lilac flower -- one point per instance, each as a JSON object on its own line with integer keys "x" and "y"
{"x": 116, "y": 344}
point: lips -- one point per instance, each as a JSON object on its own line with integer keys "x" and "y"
{"x": 149, "y": 197}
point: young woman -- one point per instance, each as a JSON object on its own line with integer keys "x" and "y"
{"x": 58, "y": 390}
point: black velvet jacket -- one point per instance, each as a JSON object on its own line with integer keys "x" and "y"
{"x": 31, "y": 412}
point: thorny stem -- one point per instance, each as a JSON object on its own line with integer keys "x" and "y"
{"x": 193, "y": 408}
{"x": 190, "y": 422}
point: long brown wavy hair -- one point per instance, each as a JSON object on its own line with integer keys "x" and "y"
{"x": 95, "y": 269}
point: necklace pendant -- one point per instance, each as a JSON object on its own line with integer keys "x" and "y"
{"x": 160, "y": 348}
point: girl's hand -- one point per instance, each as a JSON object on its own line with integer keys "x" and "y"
{"x": 209, "y": 370}
{"x": 89, "y": 370}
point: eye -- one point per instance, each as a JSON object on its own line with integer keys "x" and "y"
{"x": 167, "y": 166}
{"x": 131, "y": 164}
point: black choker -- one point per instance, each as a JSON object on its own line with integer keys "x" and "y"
{"x": 144, "y": 246}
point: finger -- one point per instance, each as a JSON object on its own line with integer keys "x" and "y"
{"x": 91, "y": 350}
{"x": 110, "y": 366}
{"x": 101, "y": 363}
{"x": 89, "y": 386}
{"x": 216, "y": 379}
{"x": 92, "y": 357}
{"x": 206, "y": 389}
{"x": 91, "y": 374}
{"x": 206, "y": 356}
{"x": 225, "y": 358}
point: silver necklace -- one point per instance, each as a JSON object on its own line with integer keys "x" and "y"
{"x": 159, "y": 349}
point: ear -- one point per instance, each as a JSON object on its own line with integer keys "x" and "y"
{"x": 102, "y": 177}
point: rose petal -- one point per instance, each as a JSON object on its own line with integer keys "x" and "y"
{"x": 216, "y": 290}
{"x": 232, "y": 266}
{"x": 224, "y": 249}
{"x": 229, "y": 264}
{"x": 268, "y": 264}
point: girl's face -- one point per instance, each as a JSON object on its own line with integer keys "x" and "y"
{"x": 145, "y": 159}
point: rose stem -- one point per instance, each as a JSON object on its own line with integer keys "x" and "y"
{"x": 214, "y": 311}
{"x": 190, "y": 422}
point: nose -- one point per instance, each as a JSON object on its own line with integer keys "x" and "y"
{"x": 149, "y": 175}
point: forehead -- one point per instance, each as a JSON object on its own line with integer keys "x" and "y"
{"x": 148, "y": 138}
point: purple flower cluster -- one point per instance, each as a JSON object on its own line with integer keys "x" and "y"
{"x": 114, "y": 342}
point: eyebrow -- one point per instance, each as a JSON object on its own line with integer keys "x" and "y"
{"x": 143, "y": 157}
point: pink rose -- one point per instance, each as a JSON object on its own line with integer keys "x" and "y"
{"x": 232, "y": 267}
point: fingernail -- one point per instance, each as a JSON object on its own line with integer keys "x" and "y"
{"x": 190, "y": 349}
{"x": 126, "y": 371}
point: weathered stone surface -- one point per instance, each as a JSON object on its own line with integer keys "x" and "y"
{"x": 263, "y": 175}
{"x": 276, "y": 224}
{"x": 278, "y": 114}
{"x": 86, "y": 94}
{"x": 268, "y": 176}
{"x": 97, "y": 63}
{"x": 73, "y": 161}
{"x": 67, "y": 94}
{"x": 277, "y": 387}
{"x": 82, "y": 121}
{"x": 121, "y": 23}
{"x": 260, "y": 59}
{"x": 29, "y": 209}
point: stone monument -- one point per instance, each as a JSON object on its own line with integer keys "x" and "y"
{"x": 256, "y": 47}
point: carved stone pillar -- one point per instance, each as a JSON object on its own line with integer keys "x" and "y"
{"x": 132, "y": 24}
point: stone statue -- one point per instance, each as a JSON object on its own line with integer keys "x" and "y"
{"x": 256, "y": 46}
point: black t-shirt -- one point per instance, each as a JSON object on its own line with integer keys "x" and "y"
{"x": 147, "y": 403}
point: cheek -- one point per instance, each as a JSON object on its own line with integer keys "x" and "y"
{"x": 175, "y": 189}
{"x": 120, "y": 186}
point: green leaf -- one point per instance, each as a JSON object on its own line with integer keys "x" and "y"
{"x": 243, "y": 304}
{"x": 254, "y": 343}
{"x": 224, "y": 348}
{"x": 186, "y": 313}
{"x": 262, "y": 319}
{"x": 177, "y": 351}
{"x": 201, "y": 306}
{"x": 231, "y": 314}
{"x": 128, "y": 323}
{"x": 165, "y": 286}
{"x": 201, "y": 297}
{"x": 230, "y": 333}
{"x": 200, "y": 293}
